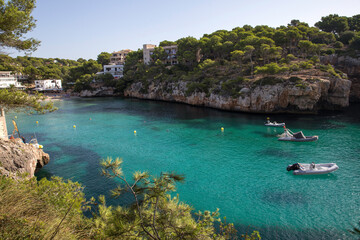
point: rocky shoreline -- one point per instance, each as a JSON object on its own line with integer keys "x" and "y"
{"x": 287, "y": 97}
{"x": 18, "y": 159}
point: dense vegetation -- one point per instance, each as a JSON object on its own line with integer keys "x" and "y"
{"x": 44, "y": 209}
{"x": 15, "y": 22}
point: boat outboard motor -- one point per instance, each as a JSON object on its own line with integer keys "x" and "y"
{"x": 295, "y": 166}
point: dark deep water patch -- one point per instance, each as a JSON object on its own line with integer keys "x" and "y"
{"x": 276, "y": 197}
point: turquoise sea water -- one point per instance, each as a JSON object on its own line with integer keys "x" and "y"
{"x": 241, "y": 171}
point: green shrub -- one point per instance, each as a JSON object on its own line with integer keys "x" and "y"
{"x": 301, "y": 85}
{"x": 314, "y": 60}
{"x": 232, "y": 87}
{"x": 196, "y": 87}
{"x": 294, "y": 67}
{"x": 31, "y": 209}
{"x": 290, "y": 57}
{"x": 271, "y": 68}
{"x": 294, "y": 79}
{"x": 330, "y": 51}
{"x": 330, "y": 69}
{"x": 355, "y": 43}
{"x": 207, "y": 63}
{"x": 338, "y": 44}
{"x": 305, "y": 65}
{"x": 145, "y": 86}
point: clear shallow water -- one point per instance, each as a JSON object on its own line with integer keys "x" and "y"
{"x": 242, "y": 170}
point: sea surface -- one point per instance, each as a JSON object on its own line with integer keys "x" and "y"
{"x": 241, "y": 170}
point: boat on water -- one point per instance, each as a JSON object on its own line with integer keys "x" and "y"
{"x": 268, "y": 123}
{"x": 312, "y": 168}
{"x": 288, "y": 135}
{"x": 274, "y": 124}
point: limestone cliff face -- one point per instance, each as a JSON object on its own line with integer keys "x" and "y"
{"x": 99, "y": 92}
{"x": 350, "y": 66}
{"x": 17, "y": 157}
{"x": 324, "y": 93}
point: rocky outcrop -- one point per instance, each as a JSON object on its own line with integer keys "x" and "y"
{"x": 350, "y": 66}
{"x": 18, "y": 158}
{"x": 308, "y": 97}
{"x": 99, "y": 92}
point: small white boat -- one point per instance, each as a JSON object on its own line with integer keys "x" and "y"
{"x": 288, "y": 135}
{"x": 312, "y": 168}
{"x": 274, "y": 124}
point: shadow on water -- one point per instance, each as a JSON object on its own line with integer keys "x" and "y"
{"x": 266, "y": 135}
{"x": 325, "y": 177}
{"x": 282, "y": 198}
{"x": 43, "y": 173}
{"x": 274, "y": 152}
{"x": 89, "y": 176}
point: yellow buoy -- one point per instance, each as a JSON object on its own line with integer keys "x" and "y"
{"x": 222, "y": 129}
{"x": 134, "y": 132}
{"x": 74, "y": 126}
{"x": 15, "y": 117}
{"x": 37, "y": 122}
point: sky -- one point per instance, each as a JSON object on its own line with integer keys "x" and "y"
{"x": 73, "y": 29}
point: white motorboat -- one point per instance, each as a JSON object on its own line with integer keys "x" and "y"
{"x": 312, "y": 168}
{"x": 274, "y": 124}
{"x": 288, "y": 135}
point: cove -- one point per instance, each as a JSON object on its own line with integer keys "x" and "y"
{"x": 241, "y": 171}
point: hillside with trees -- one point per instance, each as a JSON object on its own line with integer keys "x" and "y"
{"x": 224, "y": 62}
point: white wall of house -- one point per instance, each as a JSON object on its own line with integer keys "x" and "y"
{"x": 48, "y": 84}
{"x": 7, "y": 79}
{"x": 116, "y": 70}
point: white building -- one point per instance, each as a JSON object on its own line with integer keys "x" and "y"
{"x": 48, "y": 85}
{"x": 7, "y": 80}
{"x": 116, "y": 70}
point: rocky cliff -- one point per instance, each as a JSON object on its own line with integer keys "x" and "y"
{"x": 99, "y": 92}
{"x": 350, "y": 66}
{"x": 17, "y": 158}
{"x": 305, "y": 95}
